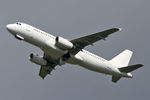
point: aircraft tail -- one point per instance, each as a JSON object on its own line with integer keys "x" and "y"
{"x": 122, "y": 59}
{"x": 126, "y": 70}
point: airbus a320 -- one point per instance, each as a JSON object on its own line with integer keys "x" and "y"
{"x": 58, "y": 51}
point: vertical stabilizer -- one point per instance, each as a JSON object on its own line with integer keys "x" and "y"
{"x": 122, "y": 59}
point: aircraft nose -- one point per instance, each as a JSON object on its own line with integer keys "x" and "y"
{"x": 9, "y": 27}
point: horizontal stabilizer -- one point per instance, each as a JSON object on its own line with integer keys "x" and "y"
{"x": 115, "y": 78}
{"x": 130, "y": 68}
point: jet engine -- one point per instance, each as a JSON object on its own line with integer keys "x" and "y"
{"x": 37, "y": 59}
{"x": 63, "y": 43}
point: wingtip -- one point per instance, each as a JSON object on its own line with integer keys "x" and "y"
{"x": 120, "y": 29}
{"x": 141, "y": 65}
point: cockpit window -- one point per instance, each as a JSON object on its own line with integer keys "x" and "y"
{"x": 18, "y": 23}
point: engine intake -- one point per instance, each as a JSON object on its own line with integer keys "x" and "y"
{"x": 63, "y": 43}
{"x": 37, "y": 59}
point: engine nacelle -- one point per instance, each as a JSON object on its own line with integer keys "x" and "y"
{"x": 37, "y": 59}
{"x": 63, "y": 43}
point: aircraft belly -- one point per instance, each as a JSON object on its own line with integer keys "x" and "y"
{"x": 35, "y": 39}
{"x": 93, "y": 67}
{"x": 45, "y": 44}
{"x": 95, "y": 64}
{"x": 92, "y": 64}
{"x": 53, "y": 53}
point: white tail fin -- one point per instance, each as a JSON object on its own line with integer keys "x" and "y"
{"x": 122, "y": 59}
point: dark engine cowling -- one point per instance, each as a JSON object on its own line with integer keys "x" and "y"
{"x": 37, "y": 59}
{"x": 63, "y": 43}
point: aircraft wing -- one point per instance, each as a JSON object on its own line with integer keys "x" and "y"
{"x": 82, "y": 42}
{"x": 115, "y": 79}
{"x": 45, "y": 70}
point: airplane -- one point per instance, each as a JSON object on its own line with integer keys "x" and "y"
{"x": 58, "y": 51}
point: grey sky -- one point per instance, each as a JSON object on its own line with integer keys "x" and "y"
{"x": 19, "y": 78}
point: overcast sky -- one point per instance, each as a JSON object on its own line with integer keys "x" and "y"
{"x": 19, "y": 78}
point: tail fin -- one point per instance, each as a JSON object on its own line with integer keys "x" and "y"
{"x": 122, "y": 59}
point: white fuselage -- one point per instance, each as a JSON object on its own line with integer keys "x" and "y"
{"x": 46, "y": 42}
